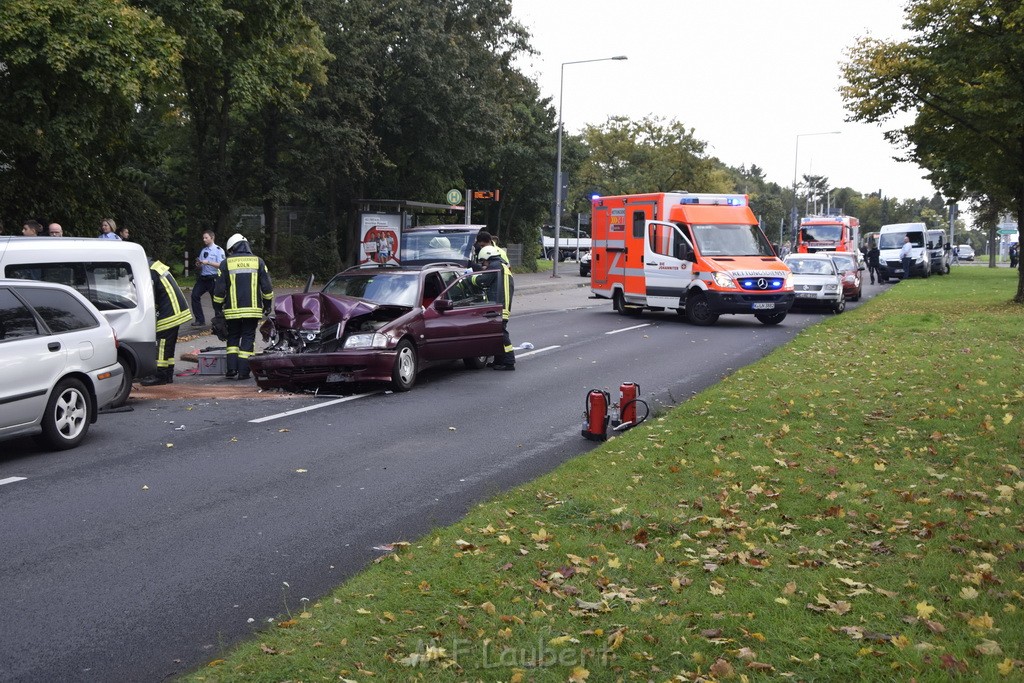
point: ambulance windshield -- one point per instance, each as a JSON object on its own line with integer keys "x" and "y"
{"x": 731, "y": 240}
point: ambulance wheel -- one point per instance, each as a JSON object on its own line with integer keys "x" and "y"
{"x": 698, "y": 310}
{"x": 619, "y": 302}
{"x": 773, "y": 318}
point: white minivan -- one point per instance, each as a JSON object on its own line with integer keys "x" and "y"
{"x": 114, "y": 277}
{"x": 938, "y": 252}
{"x": 890, "y": 242}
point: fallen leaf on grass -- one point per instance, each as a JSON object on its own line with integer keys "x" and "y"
{"x": 988, "y": 647}
{"x": 924, "y": 610}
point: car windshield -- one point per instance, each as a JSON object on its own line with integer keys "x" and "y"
{"x": 844, "y": 262}
{"x": 437, "y": 245}
{"x": 821, "y": 233}
{"x": 807, "y": 266}
{"x": 396, "y": 289}
{"x": 731, "y": 240}
{"x": 894, "y": 240}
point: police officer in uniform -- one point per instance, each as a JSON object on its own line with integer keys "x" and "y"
{"x": 245, "y": 292}
{"x": 498, "y": 283}
{"x": 171, "y": 311}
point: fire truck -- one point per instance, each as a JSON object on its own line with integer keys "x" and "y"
{"x": 828, "y": 233}
{"x": 700, "y": 254}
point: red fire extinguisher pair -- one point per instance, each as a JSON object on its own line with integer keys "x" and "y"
{"x": 596, "y": 417}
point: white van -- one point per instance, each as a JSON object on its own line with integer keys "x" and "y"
{"x": 890, "y": 241}
{"x": 938, "y": 251}
{"x": 112, "y": 275}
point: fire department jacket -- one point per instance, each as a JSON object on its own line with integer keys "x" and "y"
{"x": 243, "y": 285}
{"x": 498, "y": 283}
{"x": 171, "y": 305}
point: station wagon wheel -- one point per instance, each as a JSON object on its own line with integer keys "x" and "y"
{"x": 403, "y": 376}
{"x": 68, "y": 414}
{"x": 121, "y": 397}
{"x": 476, "y": 362}
{"x": 698, "y": 310}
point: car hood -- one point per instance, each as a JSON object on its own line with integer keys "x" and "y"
{"x": 747, "y": 266}
{"x": 311, "y": 311}
{"x": 811, "y": 279}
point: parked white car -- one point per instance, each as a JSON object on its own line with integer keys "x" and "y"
{"x": 965, "y": 252}
{"x": 816, "y": 281}
{"x": 59, "y": 360}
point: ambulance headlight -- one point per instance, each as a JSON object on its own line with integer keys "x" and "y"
{"x": 723, "y": 280}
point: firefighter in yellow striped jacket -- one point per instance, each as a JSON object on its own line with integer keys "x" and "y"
{"x": 171, "y": 311}
{"x": 245, "y": 292}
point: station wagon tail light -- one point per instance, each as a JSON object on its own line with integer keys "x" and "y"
{"x": 723, "y": 280}
{"x": 367, "y": 341}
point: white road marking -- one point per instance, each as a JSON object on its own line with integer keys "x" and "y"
{"x": 627, "y": 329}
{"x": 11, "y": 480}
{"x": 535, "y": 351}
{"x": 268, "y": 418}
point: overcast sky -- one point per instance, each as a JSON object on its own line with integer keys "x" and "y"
{"x": 747, "y": 75}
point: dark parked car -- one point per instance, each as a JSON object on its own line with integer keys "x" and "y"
{"x": 585, "y": 265}
{"x": 378, "y": 324}
{"x": 850, "y": 267}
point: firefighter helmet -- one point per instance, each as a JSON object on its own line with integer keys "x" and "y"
{"x": 488, "y": 252}
{"x": 235, "y": 240}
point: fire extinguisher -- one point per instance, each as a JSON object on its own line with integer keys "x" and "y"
{"x": 629, "y": 398}
{"x": 595, "y": 415}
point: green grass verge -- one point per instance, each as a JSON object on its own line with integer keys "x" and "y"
{"x": 847, "y": 508}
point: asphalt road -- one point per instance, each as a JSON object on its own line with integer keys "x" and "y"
{"x": 183, "y": 526}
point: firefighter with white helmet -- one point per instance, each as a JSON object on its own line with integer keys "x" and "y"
{"x": 245, "y": 292}
{"x": 497, "y": 281}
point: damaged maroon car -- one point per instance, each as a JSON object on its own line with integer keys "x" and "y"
{"x": 378, "y": 324}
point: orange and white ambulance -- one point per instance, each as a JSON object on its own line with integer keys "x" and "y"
{"x": 828, "y": 233}
{"x": 701, "y": 254}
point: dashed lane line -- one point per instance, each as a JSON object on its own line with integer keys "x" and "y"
{"x": 318, "y": 406}
{"x": 11, "y": 480}
{"x": 627, "y": 329}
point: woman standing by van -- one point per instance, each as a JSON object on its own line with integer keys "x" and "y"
{"x": 108, "y": 229}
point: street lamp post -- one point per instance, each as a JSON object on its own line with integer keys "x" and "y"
{"x": 558, "y": 162}
{"x": 796, "y": 160}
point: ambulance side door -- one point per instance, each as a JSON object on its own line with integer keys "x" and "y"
{"x": 667, "y": 270}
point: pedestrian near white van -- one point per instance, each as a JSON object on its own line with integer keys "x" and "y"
{"x": 907, "y": 256}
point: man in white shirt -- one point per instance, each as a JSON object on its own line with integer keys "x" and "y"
{"x": 907, "y": 256}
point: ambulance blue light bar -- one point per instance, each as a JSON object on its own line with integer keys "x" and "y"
{"x": 715, "y": 199}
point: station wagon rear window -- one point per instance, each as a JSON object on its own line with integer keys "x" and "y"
{"x": 109, "y": 286}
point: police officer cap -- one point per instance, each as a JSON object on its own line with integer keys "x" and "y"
{"x": 488, "y": 253}
{"x": 235, "y": 240}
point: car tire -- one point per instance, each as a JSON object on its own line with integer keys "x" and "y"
{"x": 839, "y": 306}
{"x": 68, "y": 415}
{"x": 773, "y": 318}
{"x": 698, "y": 310}
{"x": 476, "y": 362}
{"x": 403, "y": 375}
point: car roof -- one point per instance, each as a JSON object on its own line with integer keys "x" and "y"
{"x": 820, "y": 255}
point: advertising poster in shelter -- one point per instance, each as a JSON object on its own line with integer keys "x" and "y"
{"x": 379, "y": 238}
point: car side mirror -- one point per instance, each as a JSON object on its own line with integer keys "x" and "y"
{"x": 442, "y": 305}
{"x": 689, "y": 255}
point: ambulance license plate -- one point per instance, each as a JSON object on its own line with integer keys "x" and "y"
{"x": 764, "y": 306}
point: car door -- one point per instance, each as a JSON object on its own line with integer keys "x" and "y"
{"x": 31, "y": 359}
{"x": 461, "y": 323}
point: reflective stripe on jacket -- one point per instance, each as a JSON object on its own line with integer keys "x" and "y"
{"x": 243, "y": 286}
{"x": 171, "y": 305}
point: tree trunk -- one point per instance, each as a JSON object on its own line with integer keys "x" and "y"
{"x": 1019, "y": 298}
{"x": 271, "y": 160}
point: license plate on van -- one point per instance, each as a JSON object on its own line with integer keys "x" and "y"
{"x": 764, "y": 306}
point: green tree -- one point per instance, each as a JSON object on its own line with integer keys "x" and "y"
{"x": 960, "y": 75}
{"x": 73, "y": 75}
